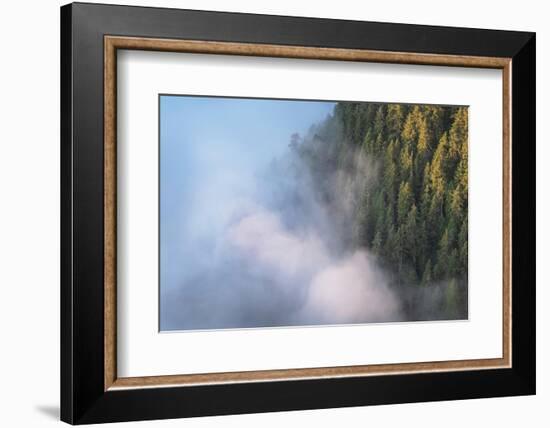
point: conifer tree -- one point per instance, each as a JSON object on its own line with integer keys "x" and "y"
{"x": 413, "y": 214}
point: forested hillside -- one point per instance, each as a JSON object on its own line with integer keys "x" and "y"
{"x": 411, "y": 210}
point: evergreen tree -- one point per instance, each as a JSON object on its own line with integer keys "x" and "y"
{"x": 413, "y": 214}
{"x": 380, "y": 120}
{"x": 427, "y": 275}
{"x": 394, "y": 120}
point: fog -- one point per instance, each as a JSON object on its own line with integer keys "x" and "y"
{"x": 256, "y": 244}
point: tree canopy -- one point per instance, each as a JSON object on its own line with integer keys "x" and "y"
{"x": 413, "y": 215}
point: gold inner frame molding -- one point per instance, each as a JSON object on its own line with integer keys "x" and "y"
{"x": 113, "y": 43}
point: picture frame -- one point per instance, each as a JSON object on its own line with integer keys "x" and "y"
{"x": 91, "y": 36}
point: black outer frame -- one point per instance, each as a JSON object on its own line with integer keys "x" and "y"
{"x": 83, "y": 399}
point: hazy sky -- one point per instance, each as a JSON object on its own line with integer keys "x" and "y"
{"x": 210, "y": 150}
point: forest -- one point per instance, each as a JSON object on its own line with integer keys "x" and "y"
{"x": 280, "y": 213}
{"x": 407, "y": 168}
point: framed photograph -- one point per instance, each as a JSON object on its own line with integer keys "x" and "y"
{"x": 265, "y": 213}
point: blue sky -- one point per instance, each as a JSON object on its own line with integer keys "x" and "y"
{"x": 210, "y": 150}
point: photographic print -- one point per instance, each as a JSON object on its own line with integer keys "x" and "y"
{"x": 280, "y": 213}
